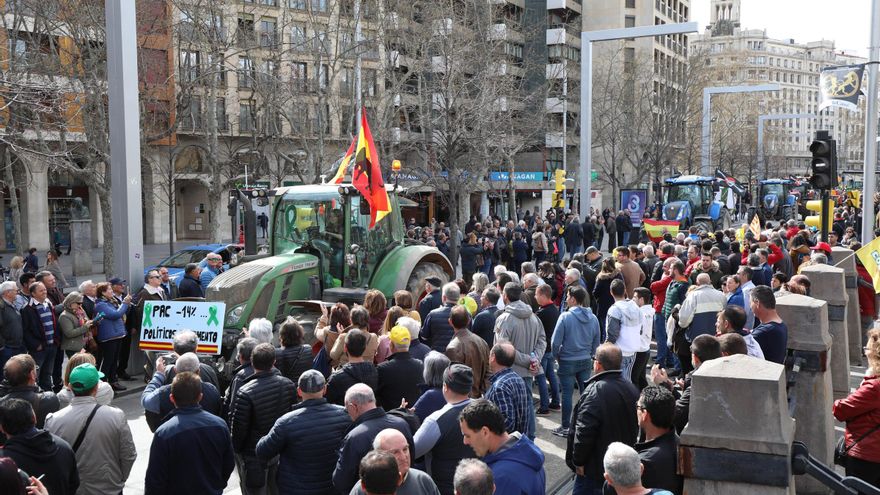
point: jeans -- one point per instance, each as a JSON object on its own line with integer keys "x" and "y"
{"x": 531, "y": 409}
{"x": 584, "y": 485}
{"x": 549, "y": 375}
{"x": 572, "y": 373}
{"x": 625, "y": 238}
{"x": 660, "y": 334}
{"x": 45, "y": 359}
{"x": 626, "y": 366}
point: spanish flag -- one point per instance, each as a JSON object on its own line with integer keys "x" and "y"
{"x": 657, "y": 228}
{"x": 367, "y": 176}
{"x": 343, "y": 165}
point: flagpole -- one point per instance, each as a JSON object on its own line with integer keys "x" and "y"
{"x": 870, "y": 168}
{"x": 357, "y": 65}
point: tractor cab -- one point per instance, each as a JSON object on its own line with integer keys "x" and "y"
{"x": 688, "y": 196}
{"x": 332, "y": 223}
{"x": 776, "y": 200}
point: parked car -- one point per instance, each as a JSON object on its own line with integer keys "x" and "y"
{"x": 196, "y": 254}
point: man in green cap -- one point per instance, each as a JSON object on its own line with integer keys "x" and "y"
{"x": 106, "y": 453}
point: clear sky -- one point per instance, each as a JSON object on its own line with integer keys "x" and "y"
{"x": 847, "y": 22}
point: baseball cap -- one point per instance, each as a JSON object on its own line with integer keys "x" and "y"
{"x": 117, "y": 281}
{"x": 822, "y": 246}
{"x": 469, "y": 304}
{"x": 400, "y": 335}
{"x": 434, "y": 281}
{"x": 84, "y": 377}
{"x": 311, "y": 381}
{"x": 459, "y": 378}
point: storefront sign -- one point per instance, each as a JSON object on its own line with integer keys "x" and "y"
{"x": 163, "y": 319}
{"x": 517, "y": 176}
{"x": 634, "y": 200}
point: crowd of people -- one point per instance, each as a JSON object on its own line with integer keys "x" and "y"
{"x": 431, "y": 394}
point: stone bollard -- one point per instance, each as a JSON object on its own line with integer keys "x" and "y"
{"x": 739, "y": 434}
{"x": 827, "y": 283}
{"x": 846, "y": 259}
{"x": 808, "y": 347}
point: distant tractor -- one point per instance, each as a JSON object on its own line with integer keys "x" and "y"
{"x": 776, "y": 200}
{"x": 690, "y": 200}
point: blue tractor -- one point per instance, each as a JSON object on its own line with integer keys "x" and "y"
{"x": 690, "y": 199}
{"x": 776, "y": 201}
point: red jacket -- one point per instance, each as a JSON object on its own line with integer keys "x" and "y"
{"x": 866, "y": 293}
{"x": 658, "y": 288}
{"x": 861, "y": 412}
{"x": 774, "y": 257}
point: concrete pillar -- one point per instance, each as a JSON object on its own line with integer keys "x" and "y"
{"x": 97, "y": 222}
{"x": 751, "y": 453}
{"x": 81, "y": 246}
{"x": 35, "y": 206}
{"x": 827, "y": 283}
{"x": 846, "y": 259}
{"x": 484, "y": 206}
{"x": 808, "y": 346}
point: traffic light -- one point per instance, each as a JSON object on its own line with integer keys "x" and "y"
{"x": 560, "y": 180}
{"x": 823, "y": 166}
{"x": 813, "y": 220}
{"x": 558, "y": 202}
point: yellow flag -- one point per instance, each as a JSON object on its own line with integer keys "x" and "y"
{"x": 869, "y": 255}
{"x": 755, "y": 227}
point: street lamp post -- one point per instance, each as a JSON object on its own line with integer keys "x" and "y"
{"x": 586, "y": 141}
{"x": 870, "y": 167}
{"x": 706, "y": 148}
{"x": 773, "y": 116}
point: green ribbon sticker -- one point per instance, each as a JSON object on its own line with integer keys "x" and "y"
{"x": 212, "y": 311}
{"x": 148, "y": 308}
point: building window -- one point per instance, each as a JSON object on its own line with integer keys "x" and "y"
{"x": 246, "y": 122}
{"x": 629, "y": 21}
{"x": 268, "y": 74}
{"x": 192, "y": 117}
{"x": 245, "y": 33}
{"x": 298, "y": 37}
{"x": 346, "y": 81}
{"x": 298, "y": 4}
{"x": 514, "y": 52}
{"x": 220, "y": 109}
{"x": 268, "y": 35}
{"x": 245, "y": 72}
{"x": 271, "y": 3}
{"x": 189, "y": 66}
{"x": 299, "y": 76}
{"x": 324, "y": 77}
{"x": 319, "y": 5}
{"x": 630, "y": 4}
{"x": 553, "y": 159}
{"x": 216, "y": 69}
{"x": 370, "y": 82}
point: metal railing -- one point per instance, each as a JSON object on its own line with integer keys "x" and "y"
{"x": 803, "y": 463}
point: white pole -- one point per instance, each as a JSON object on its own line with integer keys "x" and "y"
{"x": 870, "y": 169}
{"x": 706, "y": 138}
{"x": 564, "y": 134}
{"x": 357, "y": 64}
{"x": 585, "y": 151}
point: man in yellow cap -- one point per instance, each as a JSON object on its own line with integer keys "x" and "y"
{"x": 401, "y": 375}
{"x": 468, "y": 349}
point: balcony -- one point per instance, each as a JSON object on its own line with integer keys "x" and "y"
{"x": 574, "y": 5}
{"x": 553, "y": 139}
{"x": 563, "y": 35}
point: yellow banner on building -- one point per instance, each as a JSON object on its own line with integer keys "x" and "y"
{"x": 869, "y": 255}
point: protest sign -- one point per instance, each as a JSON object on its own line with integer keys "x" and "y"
{"x": 163, "y": 319}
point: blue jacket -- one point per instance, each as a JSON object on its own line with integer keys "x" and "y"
{"x": 576, "y": 335}
{"x": 484, "y": 324}
{"x": 173, "y": 469}
{"x": 736, "y": 298}
{"x": 518, "y": 468}
{"x": 156, "y": 400}
{"x": 307, "y": 440}
{"x": 359, "y": 440}
{"x": 111, "y": 326}
{"x": 436, "y": 330}
{"x": 206, "y": 277}
{"x": 429, "y": 303}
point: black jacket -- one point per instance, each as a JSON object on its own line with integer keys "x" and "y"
{"x": 239, "y": 375}
{"x": 260, "y": 401}
{"x": 399, "y": 378}
{"x": 43, "y": 403}
{"x": 573, "y": 234}
{"x": 484, "y": 325}
{"x": 436, "y": 330}
{"x": 307, "y": 440}
{"x": 605, "y": 413}
{"x": 660, "y": 458}
{"x": 11, "y": 326}
{"x": 588, "y": 229}
{"x": 33, "y": 332}
{"x": 89, "y": 307}
{"x": 429, "y": 303}
{"x": 348, "y": 375}
{"x": 293, "y": 361}
{"x": 190, "y": 287}
{"x": 548, "y": 315}
{"x": 39, "y": 452}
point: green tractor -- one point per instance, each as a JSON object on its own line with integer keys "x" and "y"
{"x": 322, "y": 250}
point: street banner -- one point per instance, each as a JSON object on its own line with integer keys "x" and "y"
{"x": 634, "y": 200}
{"x": 839, "y": 86}
{"x": 656, "y": 229}
{"x": 869, "y": 255}
{"x": 163, "y": 319}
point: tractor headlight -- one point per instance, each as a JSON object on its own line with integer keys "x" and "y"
{"x": 680, "y": 215}
{"x": 234, "y": 316}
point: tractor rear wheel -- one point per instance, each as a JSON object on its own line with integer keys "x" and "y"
{"x": 787, "y": 213}
{"x": 416, "y": 283}
{"x": 703, "y": 225}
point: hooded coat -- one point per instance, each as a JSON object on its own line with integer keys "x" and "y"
{"x": 576, "y": 335}
{"x": 519, "y": 326}
{"x": 624, "y": 326}
{"x": 517, "y": 467}
{"x": 39, "y": 452}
